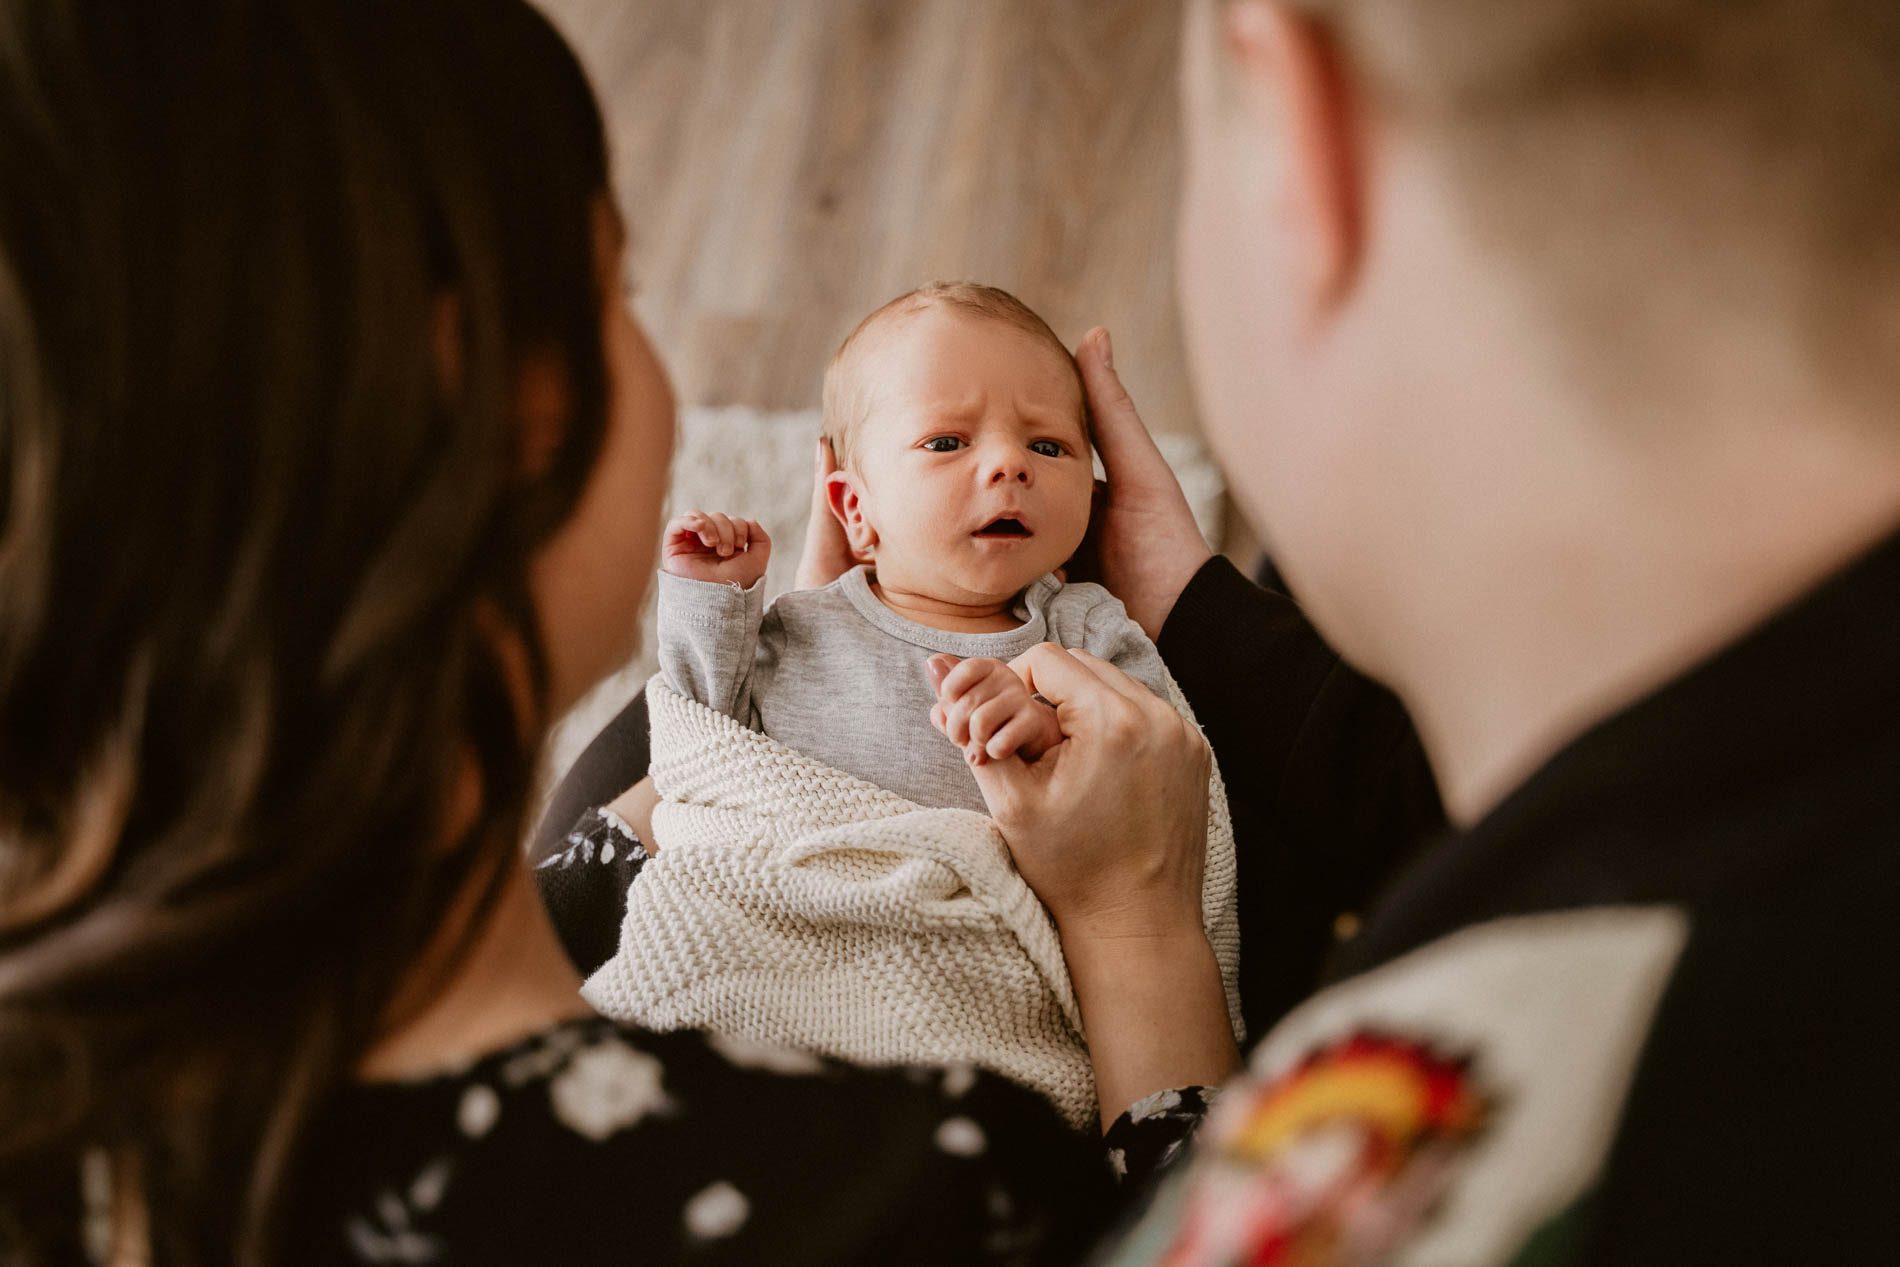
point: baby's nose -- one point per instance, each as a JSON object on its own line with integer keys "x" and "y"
{"x": 1006, "y": 467}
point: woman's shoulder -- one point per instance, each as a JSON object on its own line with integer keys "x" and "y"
{"x": 594, "y": 1138}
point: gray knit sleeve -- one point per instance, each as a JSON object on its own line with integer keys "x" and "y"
{"x": 1109, "y": 632}
{"x": 708, "y": 636}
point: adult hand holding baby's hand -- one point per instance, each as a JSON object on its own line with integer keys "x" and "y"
{"x": 708, "y": 546}
{"x": 986, "y": 710}
{"x": 1109, "y": 824}
{"x": 1109, "y": 827}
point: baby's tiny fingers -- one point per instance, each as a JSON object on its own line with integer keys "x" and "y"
{"x": 965, "y": 677}
{"x": 956, "y": 720}
{"x": 991, "y": 717}
{"x": 1014, "y": 735}
{"x": 937, "y": 668}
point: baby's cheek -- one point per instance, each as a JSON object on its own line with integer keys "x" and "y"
{"x": 1074, "y": 516}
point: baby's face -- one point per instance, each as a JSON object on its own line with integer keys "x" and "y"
{"x": 973, "y": 478}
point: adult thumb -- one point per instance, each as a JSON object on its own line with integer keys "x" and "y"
{"x": 1116, "y": 425}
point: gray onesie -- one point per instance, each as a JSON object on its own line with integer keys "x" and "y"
{"x": 838, "y": 676}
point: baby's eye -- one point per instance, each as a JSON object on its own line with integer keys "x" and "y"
{"x": 1047, "y": 448}
{"x": 943, "y": 444}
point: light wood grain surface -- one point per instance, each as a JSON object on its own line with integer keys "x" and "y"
{"x": 788, "y": 165}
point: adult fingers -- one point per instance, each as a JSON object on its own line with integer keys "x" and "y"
{"x": 1128, "y": 451}
{"x": 1061, "y": 677}
{"x": 1010, "y": 785}
{"x": 827, "y": 555}
{"x": 1015, "y": 734}
{"x": 1115, "y": 679}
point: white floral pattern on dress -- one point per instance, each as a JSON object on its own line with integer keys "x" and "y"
{"x": 961, "y": 1137}
{"x": 775, "y": 1057}
{"x": 607, "y": 1087}
{"x": 958, "y": 1079}
{"x": 479, "y": 1108}
{"x": 542, "y": 1058}
{"x": 425, "y": 1191}
{"x": 1154, "y": 1106}
{"x": 388, "y": 1237}
{"x": 716, "y": 1211}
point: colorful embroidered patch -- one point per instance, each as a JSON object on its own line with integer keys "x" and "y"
{"x": 1337, "y": 1161}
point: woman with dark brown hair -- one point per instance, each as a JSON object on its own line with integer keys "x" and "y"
{"x": 331, "y": 462}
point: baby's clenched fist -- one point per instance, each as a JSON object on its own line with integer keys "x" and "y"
{"x": 705, "y": 545}
{"x": 986, "y": 710}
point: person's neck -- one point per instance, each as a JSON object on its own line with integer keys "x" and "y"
{"x": 1621, "y": 580}
{"x": 466, "y": 995}
{"x": 984, "y": 616}
{"x": 512, "y": 981}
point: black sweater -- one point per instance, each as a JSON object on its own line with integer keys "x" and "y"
{"x": 1631, "y": 1017}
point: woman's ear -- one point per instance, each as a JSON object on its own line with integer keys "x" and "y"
{"x": 541, "y": 398}
{"x": 847, "y": 505}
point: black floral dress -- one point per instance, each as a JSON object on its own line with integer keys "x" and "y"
{"x": 598, "y": 1142}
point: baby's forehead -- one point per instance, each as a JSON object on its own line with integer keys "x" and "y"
{"x": 914, "y": 353}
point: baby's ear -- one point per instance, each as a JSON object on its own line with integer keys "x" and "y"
{"x": 847, "y": 506}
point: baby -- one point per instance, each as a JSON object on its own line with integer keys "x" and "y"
{"x": 965, "y": 482}
{"x": 827, "y": 876}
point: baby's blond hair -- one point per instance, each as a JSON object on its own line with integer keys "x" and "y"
{"x": 845, "y": 407}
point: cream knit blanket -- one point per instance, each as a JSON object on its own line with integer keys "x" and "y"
{"x": 792, "y": 903}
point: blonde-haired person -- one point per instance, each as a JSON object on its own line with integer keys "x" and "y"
{"x": 332, "y": 462}
{"x": 1551, "y": 343}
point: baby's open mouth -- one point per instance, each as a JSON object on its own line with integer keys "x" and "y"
{"x": 1002, "y": 528}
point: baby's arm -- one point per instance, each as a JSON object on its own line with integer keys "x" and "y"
{"x": 986, "y": 710}
{"x": 711, "y": 603}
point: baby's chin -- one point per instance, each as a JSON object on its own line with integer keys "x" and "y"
{"x": 970, "y": 585}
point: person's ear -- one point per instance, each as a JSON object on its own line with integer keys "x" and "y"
{"x": 847, "y": 505}
{"x": 1292, "y": 67}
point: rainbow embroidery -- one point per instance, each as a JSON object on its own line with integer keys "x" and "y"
{"x": 1338, "y": 1161}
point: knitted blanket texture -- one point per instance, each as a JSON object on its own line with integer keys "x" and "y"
{"x": 795, "y": 904}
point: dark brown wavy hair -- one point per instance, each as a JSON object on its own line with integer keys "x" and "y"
{"x": 249, "y": 533}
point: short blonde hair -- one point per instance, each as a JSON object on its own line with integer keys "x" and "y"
{"x": 845, "y": 407}
{"x": 1727, "y": 147}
